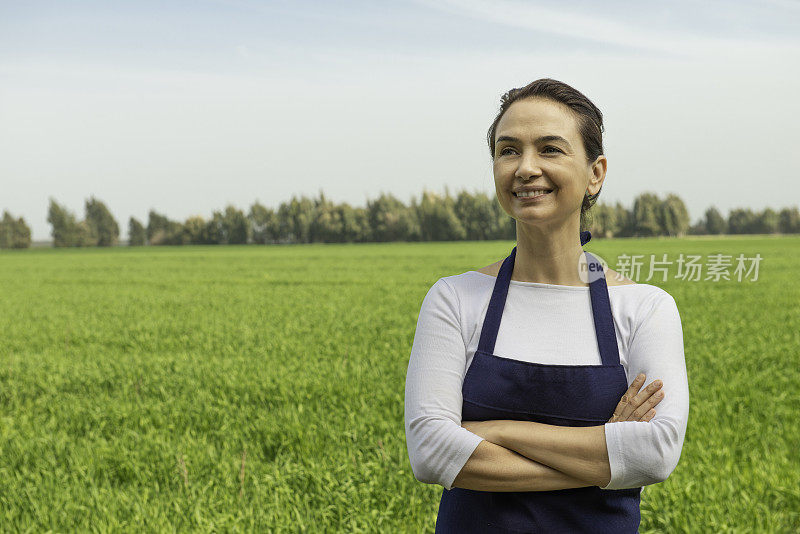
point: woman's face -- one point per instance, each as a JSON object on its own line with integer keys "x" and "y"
{"x": 537, "y": 144}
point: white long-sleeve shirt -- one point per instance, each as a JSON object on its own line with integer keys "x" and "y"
{"x": 549, "y": 324}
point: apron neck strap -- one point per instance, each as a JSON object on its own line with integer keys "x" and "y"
{"x": 601, "y": 307}
{"x": 601, "y": 311}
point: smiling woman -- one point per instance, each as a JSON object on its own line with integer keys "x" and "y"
{"x": 541, "y": 143}
{"x": 525, "y": 392}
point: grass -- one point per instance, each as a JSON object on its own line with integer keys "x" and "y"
{"x": 261, "y": 387}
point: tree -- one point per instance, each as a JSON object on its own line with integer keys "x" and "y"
{"x": 673, "y": 216}
{"x": 62, "y": 223}
{"x": 766, "y": 222}
{"x": 285, "y": 224}
{"x": 391, "y": 220}
{"x": 14, "y": 233}
{"x": 604, "y": 220}
{"x": 156, "y": 223}
{"x": 215, "y": 229}
{"x": 21, "y": 234}
{"x": 789, "y": 221}
{"x": 66, "y": 230}
{"x": 301, "y": 216}
{"x": 355, "y": 223}
{"x": 235, "y": 225}
{"x": 162, "y": 231}
{"x": 698, "y": 228}
{"x": 230, "y": 227}
{"x": 327, "y": 225}
{"x": 647, "y": 214}
{"x": 437, "y": 218}
{"x": 715, "y": 223}
{"x": 102, "y": 225}
{"x": 6, "y": 230}
{"x": 478, "y": 215}
{"x": 136, "y": 233}
{"x": 741, "y": 221}
{"x": 506, "y": 225}
{"x": 193, "y": 231}
{"x": 85, "y": 235}
{"x": 625, "y": 220}
{"x": 263, "y": 224}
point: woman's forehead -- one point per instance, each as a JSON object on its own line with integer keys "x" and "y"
{"x": 535, "y": 117}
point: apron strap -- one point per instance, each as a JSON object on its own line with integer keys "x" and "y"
{"x": 598, "y": 291}
{"x": 491, "y": 323}
{"x": 601, "y": 311}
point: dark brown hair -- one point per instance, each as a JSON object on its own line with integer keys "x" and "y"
{"x": 589, "y": 120}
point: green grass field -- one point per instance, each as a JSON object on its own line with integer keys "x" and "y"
{"x": 134, "y": 382}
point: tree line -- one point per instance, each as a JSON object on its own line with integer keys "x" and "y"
{"x": 651, "y": 216}
{"x": 432, "y": 217}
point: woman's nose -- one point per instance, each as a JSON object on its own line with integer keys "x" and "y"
{"x": 528, "y": 167}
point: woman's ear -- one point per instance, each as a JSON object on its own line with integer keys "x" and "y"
{"x": 598, "y": 175}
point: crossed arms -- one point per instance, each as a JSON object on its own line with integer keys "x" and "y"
{"x": 528, "y": 456}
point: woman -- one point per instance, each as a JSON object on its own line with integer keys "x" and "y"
{"x": 524, "y": 393}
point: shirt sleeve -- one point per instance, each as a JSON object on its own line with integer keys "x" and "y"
{"x": 438, "y": 446}
{"x": 646, "y": 452}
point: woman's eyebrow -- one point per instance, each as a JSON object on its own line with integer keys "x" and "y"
{"x": 542, "y": 139}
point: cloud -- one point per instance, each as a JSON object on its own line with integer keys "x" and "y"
{"x": 651, "y": 34}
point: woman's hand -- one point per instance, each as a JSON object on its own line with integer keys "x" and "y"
{"x": 638, "y": 406}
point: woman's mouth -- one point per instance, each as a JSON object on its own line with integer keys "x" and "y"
{"x": 531, "y": 196}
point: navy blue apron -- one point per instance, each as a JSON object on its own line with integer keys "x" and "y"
{"x": 565, "y": 395}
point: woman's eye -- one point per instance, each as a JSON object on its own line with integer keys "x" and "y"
{"x": 504, "y": 151}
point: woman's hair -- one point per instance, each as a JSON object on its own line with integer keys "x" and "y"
{"x": 589, "y": 120}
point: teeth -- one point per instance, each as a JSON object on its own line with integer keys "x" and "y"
{"x": 527, "y": 194}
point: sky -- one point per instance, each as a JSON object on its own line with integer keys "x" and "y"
{"x": 187, "y": 107}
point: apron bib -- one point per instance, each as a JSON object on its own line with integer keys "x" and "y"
{"x": 495, "y": 387}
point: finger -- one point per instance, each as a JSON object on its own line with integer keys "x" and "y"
{"x": 645, "y": 394}
{"x": 640, "y": 412}
{"x": 620, "y": 409}
{"x": 654, "y": 399}
{"x": 637, "y": 404}
{"x": 624, "y": 407}
{"x": 650, "y": 415}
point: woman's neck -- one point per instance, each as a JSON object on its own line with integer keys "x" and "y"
{"x": 549, "y": 256}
